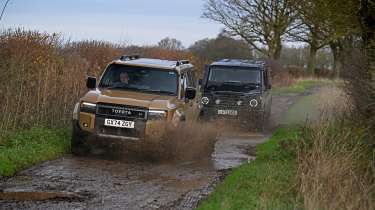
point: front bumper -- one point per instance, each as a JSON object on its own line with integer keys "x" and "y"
{"x": 145, "y": 130}
{"x": 244, "y": 116}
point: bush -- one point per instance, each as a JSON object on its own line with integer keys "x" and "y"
{"x": 335, "y": 167}
{"x": 360, "y": 86}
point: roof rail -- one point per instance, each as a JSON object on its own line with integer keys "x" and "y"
{"x": 129, "y": 57}
{"x": 182, "y": 62}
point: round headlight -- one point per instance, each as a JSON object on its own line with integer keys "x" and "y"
{"x": 253, "y": 103}
{"x": 205, "y": 100}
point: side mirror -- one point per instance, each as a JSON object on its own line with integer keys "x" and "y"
{"x": 200, "y": 81}
{"x": 91, "y": 82}
{"x": 190, "y": 93}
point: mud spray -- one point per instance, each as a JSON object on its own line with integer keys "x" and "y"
{"x": 188, "y": 141}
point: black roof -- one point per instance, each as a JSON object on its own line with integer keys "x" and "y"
{"x": 239, "y": 63}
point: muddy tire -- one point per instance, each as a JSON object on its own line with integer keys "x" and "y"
{"x": 261, "y": 124}
{"x": 78, "y": 143}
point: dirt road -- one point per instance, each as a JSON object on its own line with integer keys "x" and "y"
{"x": 96, "y": 183}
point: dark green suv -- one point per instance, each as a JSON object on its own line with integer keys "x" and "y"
{"x": 237, "y": 90}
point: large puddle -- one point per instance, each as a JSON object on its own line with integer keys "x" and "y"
{"x": 94, "y": 183}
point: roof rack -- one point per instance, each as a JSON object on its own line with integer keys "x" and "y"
{"x": 129, "y": 57}
{"x": 182, "y": 62}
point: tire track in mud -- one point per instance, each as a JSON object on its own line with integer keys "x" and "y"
{"x": 96, "y": 183}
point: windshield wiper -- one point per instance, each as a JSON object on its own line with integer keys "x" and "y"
{"x": 121, "y": 88}
{"x": 159, "y": 91}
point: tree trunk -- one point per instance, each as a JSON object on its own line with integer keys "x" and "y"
{"x": 337, "y": 57}
{"x": 276, "y": 53}
{"x": 367, "y": 15}
{"x": 368, "y": 30}
{"x": 312, "y": 59}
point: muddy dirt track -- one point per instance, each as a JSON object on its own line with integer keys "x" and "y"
{"x": 97, "y": 183}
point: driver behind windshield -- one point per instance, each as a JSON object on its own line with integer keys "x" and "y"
{"x": 123, "y": 80}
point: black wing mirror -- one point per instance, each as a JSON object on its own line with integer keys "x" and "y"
{"x": 91, "y": 82}
{"x": 190, "y": 93}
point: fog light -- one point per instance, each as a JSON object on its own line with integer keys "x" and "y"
{"x": 85, "y": 125}
{"x": 239, "y": 103}
{"x": 217, "y": 101}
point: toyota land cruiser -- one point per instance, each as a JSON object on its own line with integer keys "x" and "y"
{"x": 237, "y": 90}
{"x": 135, "y": 100}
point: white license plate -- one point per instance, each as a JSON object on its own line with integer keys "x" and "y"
{"x": 227, "y": 112}
{"x": 119, "y": 123}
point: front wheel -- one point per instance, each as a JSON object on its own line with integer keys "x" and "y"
{"x": 78, "y": 144}
{"x": 258, "y": 123}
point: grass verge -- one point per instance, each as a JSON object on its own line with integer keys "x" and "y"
{"x": 301, "y": 86}
{"x": 22, "y": 149}
{"x": 336, "y": 166}
{"x": 266, "y": 183}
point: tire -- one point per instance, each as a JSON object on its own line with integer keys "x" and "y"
{"x": 260, "y": 125}
{"x": 78, "y": 143}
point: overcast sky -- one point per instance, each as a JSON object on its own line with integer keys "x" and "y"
{"x": 142, "y": 22}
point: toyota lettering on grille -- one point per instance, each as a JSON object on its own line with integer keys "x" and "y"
{"x": 122, "y": 112}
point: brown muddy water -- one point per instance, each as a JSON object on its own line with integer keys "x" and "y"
{"x": 97, "y": 183}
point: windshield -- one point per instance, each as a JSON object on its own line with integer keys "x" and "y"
{"x": 234, "y": 75}
{"x": 141, "y": 79}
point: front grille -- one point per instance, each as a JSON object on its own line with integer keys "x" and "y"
{"x": 231, "y": 102}
{"x": 121, "y": 112}
{"x": 115, "y": 110}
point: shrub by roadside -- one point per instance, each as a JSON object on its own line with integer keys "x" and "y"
{"x": 266, "y": 183}
{"x": 336, "y": 167}
{"x": 22, "y": 149}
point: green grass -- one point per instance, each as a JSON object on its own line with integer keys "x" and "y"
{"x": 300, "y": 86}
{"x": 265, "y": 183}
{"x": 22, "y": 149}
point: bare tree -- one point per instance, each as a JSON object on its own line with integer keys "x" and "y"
{"x": 3, "y": 10}
{"x": 170, "y": 44}
{"x": 261, "y": 23}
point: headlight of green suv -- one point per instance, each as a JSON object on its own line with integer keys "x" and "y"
{"x": 254, "y": 103}
{"x": 88, "y": 107}
{"x": 157, "y": 115}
